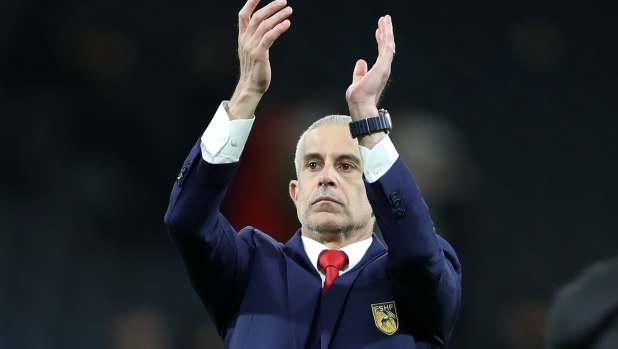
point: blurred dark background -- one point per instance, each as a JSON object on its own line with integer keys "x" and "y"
{"x": 504, "y": 111}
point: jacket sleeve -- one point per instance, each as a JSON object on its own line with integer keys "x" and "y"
{"x": 217, "y": 259}
{"x": 424, "y": 268}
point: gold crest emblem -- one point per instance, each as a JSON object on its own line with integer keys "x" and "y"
{"x": 385, "y": 317}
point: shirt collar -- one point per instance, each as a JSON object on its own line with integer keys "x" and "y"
{"x": 355, "y": 252}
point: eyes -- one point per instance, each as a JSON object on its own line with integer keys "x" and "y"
{"x": 344, "y": 166}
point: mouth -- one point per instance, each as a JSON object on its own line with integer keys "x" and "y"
{"x": 325, "y": 199}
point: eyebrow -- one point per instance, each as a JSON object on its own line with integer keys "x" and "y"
{"x": 340, "y": 157}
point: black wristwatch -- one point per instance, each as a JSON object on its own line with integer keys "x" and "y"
{"x": 382, "y": 122}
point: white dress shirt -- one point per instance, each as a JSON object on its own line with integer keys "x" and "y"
{"x": 224, "y": 140}
{"x": 355, "y": 253}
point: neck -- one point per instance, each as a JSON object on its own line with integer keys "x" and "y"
{"x": 336, "y": 240}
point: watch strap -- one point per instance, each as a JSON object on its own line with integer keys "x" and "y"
{"x": 369, "y": 126}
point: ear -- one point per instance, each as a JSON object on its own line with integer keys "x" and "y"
{"x": 294, "y": 190}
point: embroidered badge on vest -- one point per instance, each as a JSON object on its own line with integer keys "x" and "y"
{"x": 385, "y": 317}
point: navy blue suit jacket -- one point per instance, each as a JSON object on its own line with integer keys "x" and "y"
{"x": 264, "y": 294}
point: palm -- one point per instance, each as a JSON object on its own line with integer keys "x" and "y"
{"x": 367, "y": 88}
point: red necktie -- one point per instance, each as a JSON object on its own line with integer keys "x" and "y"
{"x": 332, "y": 261}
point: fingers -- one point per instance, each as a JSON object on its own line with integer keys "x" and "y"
{"x": 272, "y": 35}
{"x": 245, "y": 15}
{"x": 386, "y": 44}
{"x": 267, "y": 11}
{"x": 368, "y": 85}
{"x": 360, "y": 69}
{"x": 263, "y": 27}
{"x": 271, "y": 22}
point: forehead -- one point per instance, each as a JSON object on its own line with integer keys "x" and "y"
{"x": 330, "y": 139}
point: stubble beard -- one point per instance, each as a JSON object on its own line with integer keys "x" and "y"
{"x": 344, "y": 227}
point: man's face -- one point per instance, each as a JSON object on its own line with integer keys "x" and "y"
{"x": 330, "y": 194}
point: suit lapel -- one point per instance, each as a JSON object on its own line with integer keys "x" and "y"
{"x": 334, "y": 298}
{"x": 304, "y": 288}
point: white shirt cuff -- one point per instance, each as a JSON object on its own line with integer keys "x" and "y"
{"x": 377, "y": 161}
{"x": 224, "y": 139}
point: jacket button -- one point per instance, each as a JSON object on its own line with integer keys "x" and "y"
{"x": 394, "y": 196}
{"x": 183, "y": 172}
{"x": 399, "y": 213}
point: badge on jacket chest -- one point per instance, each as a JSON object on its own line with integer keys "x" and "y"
{"x": 385, "y": 317}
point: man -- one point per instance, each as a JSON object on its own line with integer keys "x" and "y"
{"x": 333, "y": 285}
{"x": 584, "y": 313}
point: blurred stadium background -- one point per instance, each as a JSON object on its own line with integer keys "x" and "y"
{"x": 504, "y": 111}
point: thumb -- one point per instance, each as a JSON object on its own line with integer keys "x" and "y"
{"x": 359, "y": 70}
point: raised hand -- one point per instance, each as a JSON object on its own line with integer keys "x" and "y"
{"x": 367, "y": 86}
{"x": 256, "y": 34}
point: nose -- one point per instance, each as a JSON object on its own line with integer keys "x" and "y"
{"x": 328, "y": 176}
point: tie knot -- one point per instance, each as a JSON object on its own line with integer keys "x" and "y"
{"x": 333, "y": 258}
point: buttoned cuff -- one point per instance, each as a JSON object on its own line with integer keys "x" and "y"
{"x": 377, "y": 161}
{"x": 224, "y": 139}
